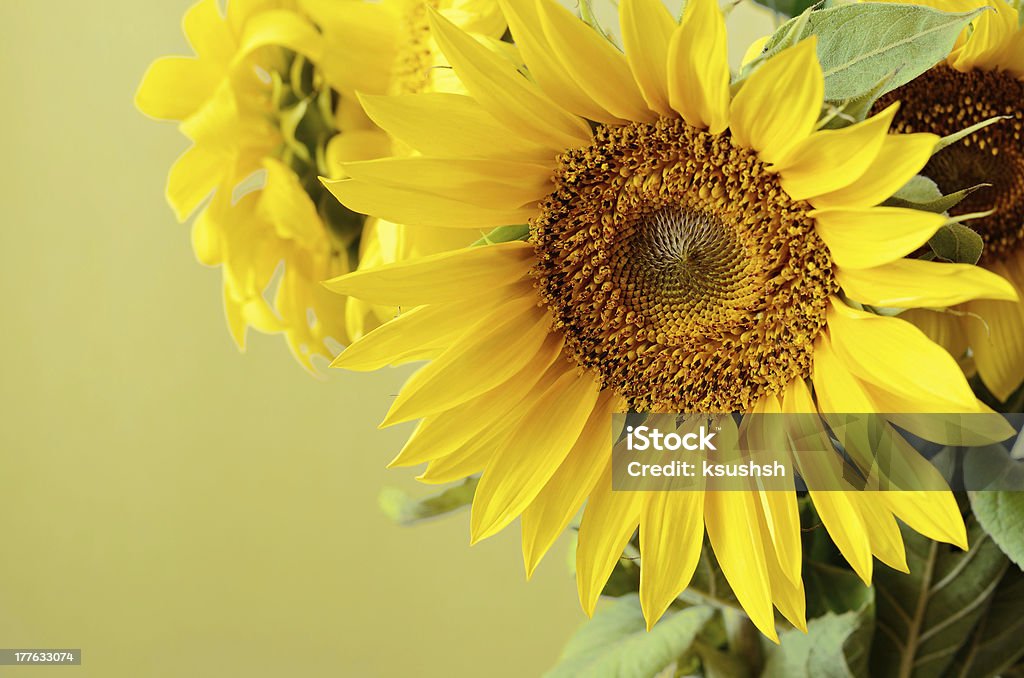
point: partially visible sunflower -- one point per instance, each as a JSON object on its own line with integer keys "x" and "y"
{"x": 269, "y": 102}
{"x": 983, "y": 77}
{"x": 689, "y": 250}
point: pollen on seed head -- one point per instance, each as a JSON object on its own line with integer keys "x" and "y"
{"x": 679, "y": 270}
{"x": 945, "y": 101}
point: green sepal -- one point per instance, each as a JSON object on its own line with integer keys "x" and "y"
{"x": 950, "y": 139}
{"x": 504, "y": 234}
{"x": 957, "y": 243}
{"x": 916, "y": 195}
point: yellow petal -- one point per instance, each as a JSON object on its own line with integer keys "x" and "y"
{"x": 646, "y": 31}
{"x": 556, "y": 504}
{"x": 599, "y": 68}
{"x": 355, "y": 146}
{"x": 845, "y": 524}
{"x": 870, "y": 236}
{"x": 447, "y": 276}
{"x": 482, "y": 359}
{"x": 450, "y": 125}
{"x": 836, "y": 509}
{"x": 898, "y": 358}
{"x": 280, "y": 28}
{"x": 787, "y": 590}
{"x": 997, "y": 335}
{"x": 470, "y": 458}
{"x": 900, "y": 158}
{"x": 832, "y": 159}
{"x": 407, "y": 206}
{"x": 933, "y": 514}
{"x": 505, "y": 93}
{"x": 360, "y": 39}
{"x": 285, "y": 204}
{"x": 174, "y": 88}
{"x": 671, "y": 538}
{"x": 915, "y": 283}
{"x": 883, "y": 531}
{"x": 731, "y": 519}
{"x": 698, "y": 67}
{"x": 991, "y": 34}
{"x": 836, "y": 388}
{"x": 758, "y": 121}
{"x": 193, "y": 177}
{"x": 206, "y": 239}
{"x": 945, "y": 329}
{"x": 446, "y": 431}
{"x": 609, "y": 521}
{"x": 208, "y": 32}
{"x": 544, "y": 66}
{"x": 405, "y": 337}
{"x": 531, "y": 455}
{"x": 782, "y": 524}
{"x": 496, "y": 184}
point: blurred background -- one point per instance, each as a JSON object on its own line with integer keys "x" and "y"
{"x": 168, "y": 505}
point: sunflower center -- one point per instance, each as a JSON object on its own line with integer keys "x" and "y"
{"x": 945, "y": 101}
{"x": 679, "y": 270}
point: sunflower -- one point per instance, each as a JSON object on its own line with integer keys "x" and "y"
{"x": 269, "y": 103}
{"x": 982, "y": 78}
{"x": 689, "y": 250}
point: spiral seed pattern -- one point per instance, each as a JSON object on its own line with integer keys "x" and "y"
{"x": 679, "y": 270}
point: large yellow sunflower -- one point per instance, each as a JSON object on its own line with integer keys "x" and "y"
{"x": 983, "y": 77}
{"x": 269, "y": 103}
{"x": 689, "y": 250}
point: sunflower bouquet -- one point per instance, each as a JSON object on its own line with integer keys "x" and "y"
{"x": 575, "y": 223}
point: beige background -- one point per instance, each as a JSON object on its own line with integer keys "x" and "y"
{"x": 171, "y": 506}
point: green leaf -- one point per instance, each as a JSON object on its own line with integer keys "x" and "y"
{"x": 405, "y": 510}
{"x": 924, "y": 617}
{"x": 835, "y": 645}
{"x": 996, "y": 642}
{"x": 504, "y": 234}
{"x": 718, "y": 664}
{"x": 957, "y": 243}
{"x": 831, "y": 588}
{"x": 860, "y": 44}
{"x": 616, "y": 643}
{"x": 838, "y": 640}
{"x": 1002, "y": 516}
{"x": 991, "y": 468}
